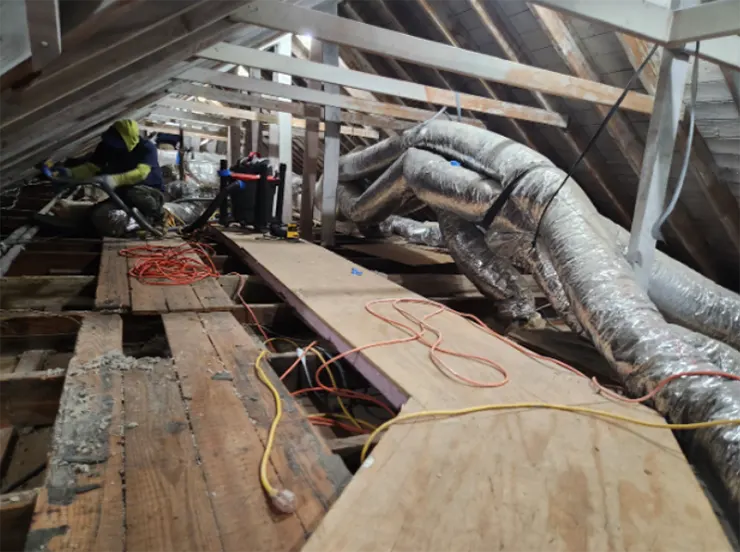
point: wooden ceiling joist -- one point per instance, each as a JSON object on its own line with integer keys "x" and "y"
{"x": 296, "y": 93}
{"x": 518, "y": 131}
{"x": 57, "y": 89}
{"x": 229, "y": 53}
{"x": 294, "y": 108}
{"x": 276, "y": 15}
{"x": 619, "y": 128}
{"x": 232, "y": 112}
{"x": 108, "y": 95}
{"x": 575, "y": 140}
{"x": 190, "y": 131}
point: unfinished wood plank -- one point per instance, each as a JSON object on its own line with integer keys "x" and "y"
{"x": 168, "y": 506}
{"x": 7, "y": 441}
{"x": 506, "y": 480}
{"x": 30, "y": 399}
{"x": 437, "y": 285}
{"x": 113, "y": 289}
{"x": 31, "y": 361}
{"x": 402, "y": 253}
{"x": 84, "y": 511}
{"x": 344, "y": 446}
{"x": 145, "y": 298}
{"x": 52, "y": 293}
{"x": 212, "y": 296}
{"x": 16, "y": 510}
{"x": 301, "y": 460}
{"x": 229, "y": 446}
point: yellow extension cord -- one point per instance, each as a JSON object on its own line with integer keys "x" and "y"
{"x": 514, "y": 406}
{"x": 284, "y": 500}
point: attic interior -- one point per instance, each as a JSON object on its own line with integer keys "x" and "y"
{"x": 369, "y": 275}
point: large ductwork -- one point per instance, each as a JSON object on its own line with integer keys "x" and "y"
{"x": 578, "y": 261}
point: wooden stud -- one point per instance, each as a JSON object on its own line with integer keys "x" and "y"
{"x": 230, "y": 53}
{"x": 433, "y": 54}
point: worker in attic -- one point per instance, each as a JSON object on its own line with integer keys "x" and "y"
{"x": 126, "y": 168}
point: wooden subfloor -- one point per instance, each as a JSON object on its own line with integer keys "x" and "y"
{"x": 515, "y": 480}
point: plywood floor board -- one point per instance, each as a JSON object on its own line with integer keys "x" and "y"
{"x": 506, "y": 480}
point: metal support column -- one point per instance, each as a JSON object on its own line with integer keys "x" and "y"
{"x": 656, "y": 163}
{"x": 332, "y": 137}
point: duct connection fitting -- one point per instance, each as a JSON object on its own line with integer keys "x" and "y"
{"x": 683, "y": 323}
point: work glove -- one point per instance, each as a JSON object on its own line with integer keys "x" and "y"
{"x": 106, "y": 181}
{"x": 55, "y": 171}
{"x": 224, "y": 172}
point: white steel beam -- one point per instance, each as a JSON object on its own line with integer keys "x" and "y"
{"x": 277, "y": 15}
{"x": 229, "y": 53}
{"x": 656, "y": 164}
{"x": 705, "y": 21}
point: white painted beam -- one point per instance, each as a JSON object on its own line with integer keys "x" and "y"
{"x": 229, "y": 53}
{"x": 284, "y": 50}
{"x": 656, "y": 163}
{"x": 217, "y": 78}
{"x": 44, "y": 31}
{"x": 332, "y": 151}
{"x": 653, "y": 23}
{"x": 277, "y": 15}
{"x": 14, "y": 32}
{"x": 234, "y": 113}
{"x": 200, "y": 133}
{"x": 705, "y": 21}
{"x": 295, "y": 108}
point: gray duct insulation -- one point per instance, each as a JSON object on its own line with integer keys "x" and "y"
{"x": 579, "y": 262}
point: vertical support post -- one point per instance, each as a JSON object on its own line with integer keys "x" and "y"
{"x": 247, "y": 143}
{"x": 310, "y": 151}
{"x": 234, "y": 142}
{"x": 181, "y": 157}
{"x": 44, "y": 31}
{"x": 656, "y": 163}
{"x": 257, "y": 127}
{"x": 285, "y": 135}
{"x": 331, "y": 151}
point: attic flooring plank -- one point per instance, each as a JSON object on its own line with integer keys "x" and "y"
{"x": 205, "y": 295}
{"x": 303, "y": 462}
{"x": 33, "y": 360}
{"x": 229, "y": 446}
{"x": 113, "y": 288}
{"x": 145, "y": 298}
{"x": 168, "y": 506}
{"x": 84, "y": 511}
{"x": 516, "y": 480}
{"x": 16, "y": 510}
{"x": 30, "y": 398}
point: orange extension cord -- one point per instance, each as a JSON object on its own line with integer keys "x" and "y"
{"x": 163, "y": 265}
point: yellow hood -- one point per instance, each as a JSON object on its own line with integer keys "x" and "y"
{"x": 129, "y": 131}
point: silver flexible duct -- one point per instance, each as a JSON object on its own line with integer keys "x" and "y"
{"x": 580, "y": 265}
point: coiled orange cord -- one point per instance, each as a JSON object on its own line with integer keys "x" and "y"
{"x": 163, "y": 265}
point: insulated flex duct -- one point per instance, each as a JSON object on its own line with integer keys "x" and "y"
{"x": 459, "y": 170}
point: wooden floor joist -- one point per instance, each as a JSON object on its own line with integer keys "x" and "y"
{"x": 118, "y": 290}
{"x": 526, "y": 479}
